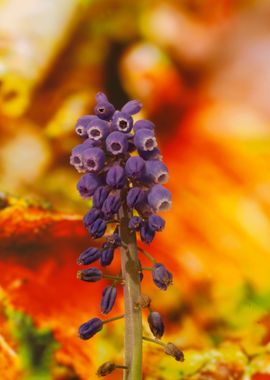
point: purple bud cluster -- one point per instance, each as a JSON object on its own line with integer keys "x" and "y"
{"x": 121, "y": 165}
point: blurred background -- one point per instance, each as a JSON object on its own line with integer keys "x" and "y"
{"x": 201, "y": 69}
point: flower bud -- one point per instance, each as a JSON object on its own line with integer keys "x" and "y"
{"x": 93, "y": 159}
{"x": 144, "y": 139}
{"x": 82, "y": 123}
{"x": 76, "y": 154}
{"x": 156, "y": 223}
{"x": 150, "y": 155}
{"x": 97, "y": 129}
{"x": 157, "y": 171}
{"x": 132, "y": 107}
{"x": 90, "y": 328}
{"x": 111, "y": 205}
{"x": 106, "y": 256}
{"x": 113, "y": 240}
{"x": 161, "y": 276}
{"x": 91, "y": 216}
{"x": 172, "y": 350}
{"x": 101, "y": 97}
{"x": 89, "y": 256}
{"x": 134, "y": 223}
{"x": 90, "y": 274}
{"x": 159, "y": 198}
{"x": 117, "y": 143}
{"x": 108, "y": 299}
{"x": 143, "y": 301}
{"x": 146, "y": 234}
{"x": 104, "y": 109}
{"x": 105, "y": 369}
{"x": 156, "y": 325}
{"x": 143, "y": 124}
{"x": 87, "y": 185}
{"x": 97, "y": 228}
{"x": 135, "y": 167}
{"x": 100, "y": 196}
{"x": 116, "y": 177}
{"x": 135, "y": 196}
{"x": 122, "y": 122}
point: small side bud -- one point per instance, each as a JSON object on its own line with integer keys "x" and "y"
{"x": 105, "y": 369}
{"x": 172, "y": 350}
{"x": 143, "y": 301}
{"x": 156, "y": 325}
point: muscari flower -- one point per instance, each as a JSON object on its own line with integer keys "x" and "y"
{"x": 144, "y": 140}
{"x": 103, "y": 109}
{"x": 90, "y": 274}
{"x": 108, "y": 299}
{"x": 93, "y": 159}
{"x": 135, "y": 196}
{"x": 76, "y": 154}
{"x": 156, "y": 223}
{"x": 97, "y": 228}
{"x": 143, "y": 124}
{"x": 135, "y": 223}
{"x": 157, "y": 171}
{"x": 117, "y": 143}
{"x": 116, "y": 177}
{"x": 147, "y": 235}
{"x": 111, "y": 205}
{"x": 91, "y": 216}
{"x": 90, "y": 328}
{"x": 100, "y": 196}
{"x": 132, "y": 107}
{"x": 82, "y": 123}
{"x": 161, "y": 276}
{"x": 122, "y": 122}
{"x": 135, "y": 167}
{"x": 89, "y": 256}
{"x": 159, "y": 198}
{"x": 106, "y": 256}
{"x": 87, "y": 185}
{"x": 156, "y": 325}
{"x": 97, "y": 129}
{"x": 150, "y": 154}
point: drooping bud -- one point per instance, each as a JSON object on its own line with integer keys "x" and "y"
{"x": 172, "y": 350}
{"x": 143, "y": 124}
{"x": 146, "y": 234}
{"x": 135, "y": 167}
{"x": 89, "y": 256}
{"x": 156, "y": 223}
{"x": 156, "y": 325}
{"x": 90, "y": 328}
{"x": 90, "y": 274}
{"x": 132, "y": 107}
{"x": 100, "y": 196}
{"x": 105, "y": 369}
{"x": 161, "y": 276}
{"x": 106, "y": 256}
{"x": 97, "y": 228}
{"x": 108, "y": 299}
{"x": 150, "y": 154}
{"x": 135, "y": 196}
{"x": 113, "y": 240}
{"x": 87, "y": 185}
{"x": 144, "y": 139}
{"x": 93, "y": 159}
{"x": 159, "y": 198}
{"x": 156, "y": 171}
{"x": 111, "y": 205}
{"x": 91, "y": 216}
{"x": 116, "y": 177}
{"x": 134, "y": 223}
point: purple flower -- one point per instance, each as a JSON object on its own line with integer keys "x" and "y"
{"x": 156, "y": 325}
{"x": 106, "y": 256}
{"x": 144, "y": 209}
{"x": 108, "y": 299}
{"x": 101, "y": 97}
{"x": 76, "y": 154}
{"x": 135, "y": 167}
{"x": 156, "y": 223}
{"x": 97, "y": 228}
{"x": 117, "y": 143}
{"x": 146, "y": 234}
{"x": 135, "y": 196}
{"x": 87, "y": 185}
{"x": 90, "y": 274}
{"x": 113, "y": 240}
{"x": 89, "y": 256}
{"x": 116, "y": 177}
{"x": 150, "y": 155}
{"x": 161, "y": 276}
{"x": 100, "y": 196}
{"x": 82, "y": 123}
{"x": 97, "y": 129}
{"x": 103, "y": 109}
{"x": 143, "y": 124}
{"x": 157, "y": 171}
{"x": 90, "y": 328}
{"x": 93, "y": 159}
{"x": 134, "y": 223}
{"x": 111, "y": 205}
{"x": 91, "y": 216}
{"x": 159, "y": 198}
{"x": 132, "y": 107}
{"x": 122, "y": 122}
{"x": 144, "y": 139}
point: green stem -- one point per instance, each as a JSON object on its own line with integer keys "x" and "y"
{"x": 147, "y": 254}
{"x": 114, "y": 318}
{"x": 156, "y": 341}
{"x": 132, "y": 290}
{"x": 114, "y": 278}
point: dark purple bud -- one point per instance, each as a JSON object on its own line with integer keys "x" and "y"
{"x": 116, "y": 177}
{"x": 87, "y": 185}
{"x": 89, "y": 256}
{"x": 172, "y": 350}
{"x": 90, "y": 274}
{"x": 122, "y": 122}
{"x": 161, "y": 276}
{"x": 132, "y": 107}
{"x": 97, "y": 129}
{"x": 113, "y": 240}
{"x": 135, "y": 167}
{"x": 143, "y": 124}
{"x": 144, "y": 209}
{"x": 97, "y": 228}
{"x": 104, "y": 109}
{"x": 117, "y": 143}
{"x": 100, "y": 196}
{"x": 108, "y": 299}
{"x": 91, "y": 216}
{"x": 106, "y": 369}
{"x": 82, "y": 123}
{"x": 134, "y": 223}
{"x": 159, "y": 198}
{"x": 157, "y": 171}
{"x": 146, "y": 234}
{"x": 90, "y": 328}
{"x": 111, "y": 205}
{"x": 156, "y": 325}
{"x": 150, "y": 155}
{"x": 135, "y": 196}
{"x": 156, "y": 223}
{"x": 93, "y": 159}
{"x": 106, "y": 256}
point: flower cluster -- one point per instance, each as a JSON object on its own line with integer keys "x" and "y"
{"x": 121, "y": 165}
